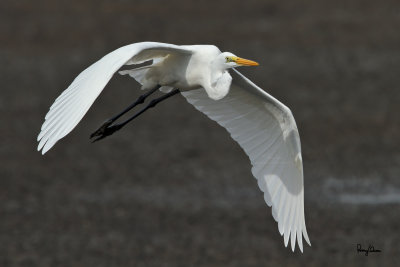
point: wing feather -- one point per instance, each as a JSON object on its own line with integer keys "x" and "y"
{"x": 70, "y": 107}
{"x": 267, "y": 132}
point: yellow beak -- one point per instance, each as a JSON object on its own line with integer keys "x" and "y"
{"x": 245, "y": 62}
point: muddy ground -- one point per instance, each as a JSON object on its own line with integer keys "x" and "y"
{"x": 173, "y": 189}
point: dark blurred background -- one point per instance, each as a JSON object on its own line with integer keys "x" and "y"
{"x": 173, "y": 189}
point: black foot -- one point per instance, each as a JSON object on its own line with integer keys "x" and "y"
{"x": 105, "y": 130}
{"x": 102, "y": 128}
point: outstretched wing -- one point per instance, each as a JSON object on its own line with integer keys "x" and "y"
{"x": 69, "y": 108}
{"x": 267, "y": 132}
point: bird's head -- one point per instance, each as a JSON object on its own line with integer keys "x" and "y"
{"x": 229, "y": 60}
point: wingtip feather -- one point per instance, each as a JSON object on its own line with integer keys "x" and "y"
{"x": 286, "y": 238}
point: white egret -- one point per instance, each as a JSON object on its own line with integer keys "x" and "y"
{"x": 263, "y": 126}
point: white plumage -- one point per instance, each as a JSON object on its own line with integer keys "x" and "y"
{"x": 263, "y": 126}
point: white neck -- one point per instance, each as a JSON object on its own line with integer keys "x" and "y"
{"x": 220, "y": 84}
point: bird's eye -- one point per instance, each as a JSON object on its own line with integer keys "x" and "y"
{"x": 228, "y": 59}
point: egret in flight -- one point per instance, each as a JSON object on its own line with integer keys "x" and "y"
{"x": 207, "y": 78}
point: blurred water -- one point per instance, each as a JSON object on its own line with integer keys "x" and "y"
{"x": 173, "y": 189}
{"x": 362, "y": 191}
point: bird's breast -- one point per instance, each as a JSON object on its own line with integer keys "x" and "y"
{"x": 185, "y": 72}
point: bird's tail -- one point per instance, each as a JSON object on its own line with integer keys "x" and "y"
{"x": 139, "y": 74}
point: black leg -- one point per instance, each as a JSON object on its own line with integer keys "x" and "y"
{"x": 108, "y": 122}
{"x": 110, "y": 129}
